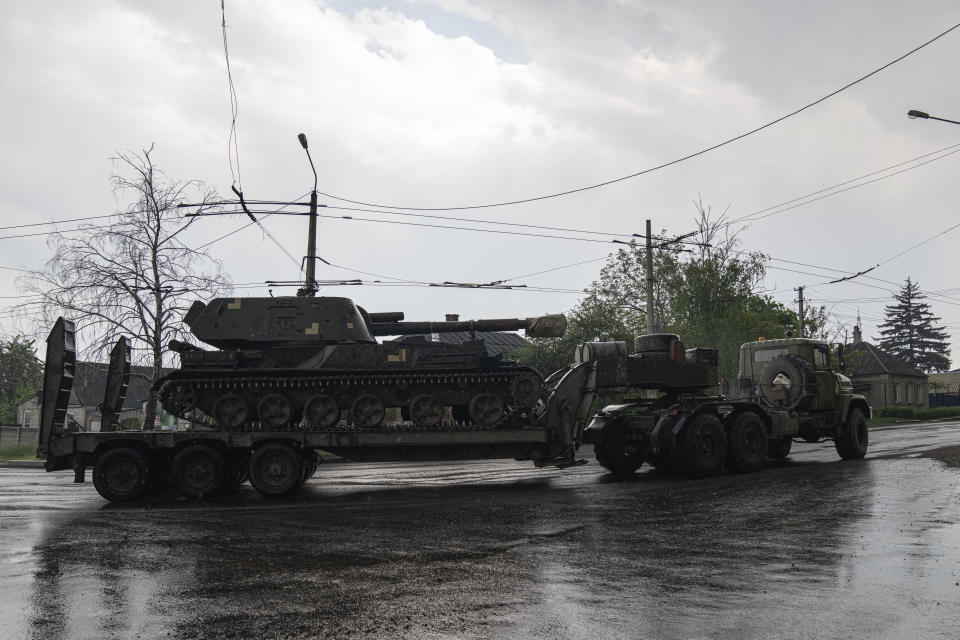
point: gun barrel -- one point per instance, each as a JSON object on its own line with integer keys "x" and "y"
{"x": 551, "y": 326}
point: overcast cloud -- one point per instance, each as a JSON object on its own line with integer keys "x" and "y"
{"x": 434, "y": 103}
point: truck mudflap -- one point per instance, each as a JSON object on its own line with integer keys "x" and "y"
{"x": 602, "y": 420}
{"x": 115, "y": 390}
{"x": 58, "y": 372}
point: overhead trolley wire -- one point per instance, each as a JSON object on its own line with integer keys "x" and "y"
{"x": 665, "y": 164}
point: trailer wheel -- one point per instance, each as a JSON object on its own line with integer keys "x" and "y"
{"x": 852, "y": 436}
{"x": 616, "y": 456}
{"x": 120, "y": 475}
{"x": 779, "y": 448}
{"x": 747, "y": 443}
{"x": 199, "y": 471}
{"x": 275, "y": 469}
{"x": 703, "y": 446}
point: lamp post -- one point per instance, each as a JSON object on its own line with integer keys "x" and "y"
{"x": 913, "y": 114}
{"x": 310, "y": 281}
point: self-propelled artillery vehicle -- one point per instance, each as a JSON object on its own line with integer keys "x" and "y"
{"x": 315, "y": 363}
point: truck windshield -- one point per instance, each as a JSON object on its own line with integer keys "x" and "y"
{"x": 766, "y": 355}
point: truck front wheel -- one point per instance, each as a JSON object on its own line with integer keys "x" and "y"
{"x": 852, "y": 436}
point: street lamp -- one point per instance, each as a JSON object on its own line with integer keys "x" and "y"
{"x": 913, "y": 114}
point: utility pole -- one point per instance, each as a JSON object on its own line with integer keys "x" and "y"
{"x": 800, "y": 299}
{"x": 310, "y": 281}
{"x": 650, "y": 318}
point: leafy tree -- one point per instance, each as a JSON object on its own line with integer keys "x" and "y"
{"x": 135, "y": 276}
{"x": 912, "y": 333}
{"x": 708, "y": 294}
{"x": 20, "y": 373}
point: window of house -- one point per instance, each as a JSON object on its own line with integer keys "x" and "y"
{"x": 897, "y": 392}
{"x": 27, "y": 419}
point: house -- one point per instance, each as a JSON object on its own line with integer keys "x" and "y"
{"x": 884, "y": 380}
{"x": 945, "y": 389}
{"x": 89, "y": 381}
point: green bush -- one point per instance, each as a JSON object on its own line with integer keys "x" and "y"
{"x": 894, "y": 412}
{"x": 910, "y": 413}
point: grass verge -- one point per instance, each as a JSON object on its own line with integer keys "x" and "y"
{"x": 22, "y": 452}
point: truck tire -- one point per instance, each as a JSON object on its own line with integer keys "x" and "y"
{"x": 275, "y": 469}
{"x": 616, "y": 455}
{"x": 852, "y": 436}
{"x": 703, "y": 446}
{"x": 120, "y": 474}
{"x": 779, "y": 448}
{"x": 746, "y": 443}
{"x": 199, "y": 471}
{"x": 796, "y": 377}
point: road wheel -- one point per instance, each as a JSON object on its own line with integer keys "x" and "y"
{"x": 703, "y": 446}
{"x": 779, "y": 448}
{"x": 486, "y": 409}
{"x": 852, "y": 436}
{"x": 274, "y": 411}
{"x": 616, "y": 455}
{"x": 425, "y": 410}
{"x": 321, "y": 412}
{"x": 367, "y": 410}
{"x": 120, "y": 475}
{"x": 525, "y": 390}
{"x": 275, "y": 469}
{"x": 230, "y": 411}
{"x": 199, "y": 471}
{"x": 746, "y": 443}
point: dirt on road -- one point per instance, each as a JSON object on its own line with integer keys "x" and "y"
{"x": 947, "y": 455}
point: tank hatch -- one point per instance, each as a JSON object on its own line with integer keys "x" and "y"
{"x": 260, "y": 322}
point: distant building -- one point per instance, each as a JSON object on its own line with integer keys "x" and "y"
{"x": 884, "y": 379}
{"x": 945, "y": 389}
{"x": 89, "y": 381}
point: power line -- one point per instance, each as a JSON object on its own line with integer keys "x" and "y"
{"x": 666, "y": 164}
{"x": 40, "y": 224}
{"x": 233, "y": 151}
{"x": 776, "y": 209}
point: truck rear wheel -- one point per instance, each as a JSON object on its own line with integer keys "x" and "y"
{"x": 616, "y": 455}
{"x": 747, "y": 443}
{"x": 852, "y": 436}
{"x": 199, "y": 471}
{"x": 703, "y": 446}
{"x": 276, "y": 469}
{"x": 120, "y": 475}
{"x": 779, "y": 448}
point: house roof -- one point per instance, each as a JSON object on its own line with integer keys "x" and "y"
{"x": 90, "y": 380}
{"x": 497, "y": 342}
{"x": 875, "y": 361}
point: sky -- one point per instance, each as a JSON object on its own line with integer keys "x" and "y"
{"x": 453, "y": 103}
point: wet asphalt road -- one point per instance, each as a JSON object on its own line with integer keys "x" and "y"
{"x": 809, "y": 548}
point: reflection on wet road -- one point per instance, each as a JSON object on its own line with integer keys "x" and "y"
{"x": 809, "y": 548}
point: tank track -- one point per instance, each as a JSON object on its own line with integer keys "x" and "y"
{"x": 285, "y": 400}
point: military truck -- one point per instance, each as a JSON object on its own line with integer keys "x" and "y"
{"x": 794, "y": 378}
{"x": 671, "y": 417}
{"x": 785, "y": 390}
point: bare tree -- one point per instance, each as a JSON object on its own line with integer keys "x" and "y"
{"x": 135, "y": 276}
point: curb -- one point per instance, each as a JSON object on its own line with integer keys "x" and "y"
{"x": 22, "y": 464}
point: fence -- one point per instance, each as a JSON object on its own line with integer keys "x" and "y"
{"x": 16, "y": 436}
